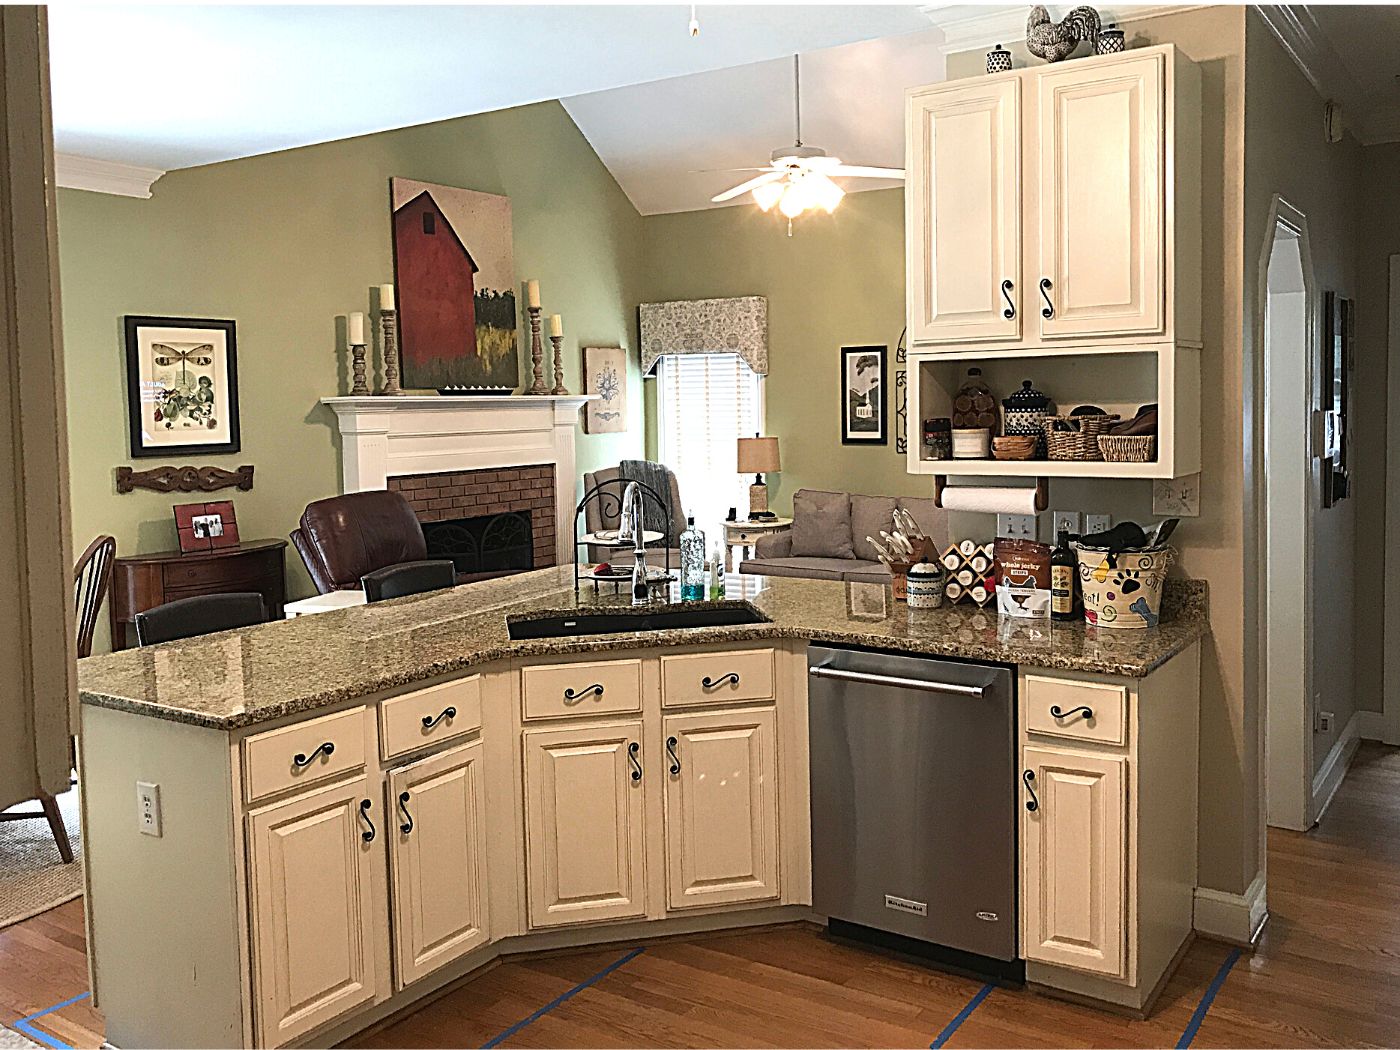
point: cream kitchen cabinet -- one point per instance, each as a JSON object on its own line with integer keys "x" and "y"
{"x": 585, "y": 823}
{"x": 721, "y": 807}
{"x": 436, "y": 827}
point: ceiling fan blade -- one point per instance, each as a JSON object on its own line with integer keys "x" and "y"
{"x": 858, "y": 172}
{"x": 744, "y": 187}
{"x": 721, "y": 171}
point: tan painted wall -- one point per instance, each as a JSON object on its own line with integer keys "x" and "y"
{"x": 284, "y": 243}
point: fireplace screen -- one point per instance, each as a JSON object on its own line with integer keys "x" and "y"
{"x": 493, "y": 544}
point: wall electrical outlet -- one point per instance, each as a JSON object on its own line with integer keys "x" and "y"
{"x": 1067, "y": 521}
{"x": 1097, "y": 523}
{"x": 148, "y": 808}
{"x": 1016, "y": 526}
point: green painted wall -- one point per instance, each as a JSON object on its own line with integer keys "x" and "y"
{"x": 837, "y": 281}
{"x": 283, "y": 244}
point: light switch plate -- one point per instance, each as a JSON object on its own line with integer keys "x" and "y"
{"x": 1177, "y": 497}
{"x": 1016, "y": 526}
{"x": 148, "y": 808}
{"x": 1066, "y": 521}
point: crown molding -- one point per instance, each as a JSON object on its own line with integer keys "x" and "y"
{"x": 967, "y": 26}
{"x": 103, "y": 176}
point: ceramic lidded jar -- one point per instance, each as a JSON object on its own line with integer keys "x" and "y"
{"x": 925, "y": 583}
{"x": 1024, "y": 412}
{"x": 974, "y": 408}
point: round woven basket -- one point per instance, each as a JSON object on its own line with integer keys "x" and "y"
{"x": 1082, "y": 443}
{"x": 1128, "y": 448}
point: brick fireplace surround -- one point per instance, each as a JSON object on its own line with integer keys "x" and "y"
{"x": 477, "y": 493}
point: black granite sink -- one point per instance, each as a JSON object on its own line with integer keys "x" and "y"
{"x": 623, "y": 621}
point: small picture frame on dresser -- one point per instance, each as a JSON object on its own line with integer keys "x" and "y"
{"x": 205, "y": 526}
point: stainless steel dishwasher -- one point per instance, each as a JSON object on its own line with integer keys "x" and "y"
{"x": 914, "y": 805}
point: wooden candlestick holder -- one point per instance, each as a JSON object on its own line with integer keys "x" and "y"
{"x": 389, "y": 321}
{"x": 536, "y": 352}
{"x": 357, "y": 366}
{"x": 559, "y": 387}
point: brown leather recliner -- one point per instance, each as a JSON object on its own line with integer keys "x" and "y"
{"x": 344, "y": 537}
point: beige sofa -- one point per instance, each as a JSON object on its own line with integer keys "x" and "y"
{"x": 828, "y": 536}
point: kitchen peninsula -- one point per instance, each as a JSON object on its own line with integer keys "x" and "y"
{"x": 359, "y": 807}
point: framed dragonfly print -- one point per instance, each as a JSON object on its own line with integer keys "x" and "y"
{"x": 181, "y": 386}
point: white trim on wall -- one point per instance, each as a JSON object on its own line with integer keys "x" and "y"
{"x": 1334, "y": 767}
{"x": 1235, "y": 918}
{"x": 968, "y": 26}
{"x": 73, "y": 172}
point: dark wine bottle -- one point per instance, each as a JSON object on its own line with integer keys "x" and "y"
{"x": 1063, "y": 565}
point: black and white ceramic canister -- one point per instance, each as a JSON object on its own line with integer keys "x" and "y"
{"x": 1110, "y": 40}
{"x": 999, "y": 59}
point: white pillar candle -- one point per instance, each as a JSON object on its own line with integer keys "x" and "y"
{"x": 386, "y": 297}
{"x": 556, "y": 325}
{"x": 357, "y": 329}
{"x": 532, "y": 294}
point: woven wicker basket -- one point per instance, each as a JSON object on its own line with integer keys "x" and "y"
{"x": 1128, "y": 448}
{"x": 1081, "y": 443}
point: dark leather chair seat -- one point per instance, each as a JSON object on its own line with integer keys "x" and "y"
{"x": 202, "y": 614}
{"x": 414, "y": 577}
{"x": 343, "y": 538}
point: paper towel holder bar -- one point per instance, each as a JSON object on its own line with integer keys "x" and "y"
{"x": 1042, "y": 492}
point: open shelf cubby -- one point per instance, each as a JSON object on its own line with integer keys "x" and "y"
{"x": 1117, "y": 378}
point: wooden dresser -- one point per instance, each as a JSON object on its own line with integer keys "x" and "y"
{"x": 143, "y": 581}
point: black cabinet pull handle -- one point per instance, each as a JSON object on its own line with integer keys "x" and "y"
{"x": 1006, "y": 289}
{"x": 1032, "y": 803}
{"x": 632, "y": 750}
{"x": 714, "y": 683}
{"x": 592, "y": 690}
{"x": 302, "y": 761}
{"x": 1045, "y": 287}
{"x": 407, "y": 826}
{"x": 365, "y": 805}
{"x": 447, "y": 712}
{"x": 1055, "y": 711}
{"x": 675, "y": 758}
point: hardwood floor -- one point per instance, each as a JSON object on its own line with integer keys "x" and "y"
{"x": 1326, "y": 973}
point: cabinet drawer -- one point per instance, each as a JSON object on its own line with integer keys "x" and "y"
{"x": 1056, "y": 707}
{"x": 305, "y": 753}
{"x": 716, "y": 678}
{"x": 217, "y": 571}
{"x": 599, "y": 688}
{"x": 429, "y": 716}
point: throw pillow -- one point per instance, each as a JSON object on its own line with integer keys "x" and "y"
{"x": 870, "y": 515}
{"x": 821, "y": 524}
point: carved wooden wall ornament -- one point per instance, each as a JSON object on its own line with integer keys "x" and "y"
{"x": 184, "y": 479}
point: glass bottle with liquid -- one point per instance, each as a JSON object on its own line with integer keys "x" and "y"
{"x": 1063, "y": 568}
{"x": 693, "y": 574}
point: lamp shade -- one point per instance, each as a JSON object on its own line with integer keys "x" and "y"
{"x": 758, "y": 455}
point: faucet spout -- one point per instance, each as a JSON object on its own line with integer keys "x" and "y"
{"x": 632, "y": 527}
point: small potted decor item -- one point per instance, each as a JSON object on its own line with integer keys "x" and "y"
{"x": 999, "y": 60}
{"x": 1023, "y": 415}
{"x": 925, "y": 581}
{"x": 1110, "y": 41}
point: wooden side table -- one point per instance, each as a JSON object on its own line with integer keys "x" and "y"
{"x": 746, "y": 533}
{"x": 143, "y": 581}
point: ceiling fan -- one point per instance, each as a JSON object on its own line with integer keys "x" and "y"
{"x": 799, "y": 177}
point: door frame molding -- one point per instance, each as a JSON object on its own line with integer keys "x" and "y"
{"x": 1390, "y": 691}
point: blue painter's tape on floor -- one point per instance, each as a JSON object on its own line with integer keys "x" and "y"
{"x": 498, "y": 1040}
{"x": 963, "y": 1015}
{"x": 25, "y": 1025}
{"x": 1194, "y": 1025}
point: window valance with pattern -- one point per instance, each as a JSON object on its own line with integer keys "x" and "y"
{"x": 706, "y": 326}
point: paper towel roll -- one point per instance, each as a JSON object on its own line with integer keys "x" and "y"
{"x": 990, "y": 499}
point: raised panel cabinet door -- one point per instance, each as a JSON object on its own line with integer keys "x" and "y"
{"x": 1102, "y": 166}
{"x": 310, "y": 872}
{"x": 437, "y": 827}
{"x": 1074, "y": 860}
{"x": 584, "y": 815}
{"x": 963, "y": 213}
{"x": 721, "y": 807}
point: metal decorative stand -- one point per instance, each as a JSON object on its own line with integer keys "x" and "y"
{"x": 357, "y": 364}
{"x": 559, "y": 387}
{"x": 608, "y": 496}
{"x": 536, "y": 352}
{"x": 389, "y": 320}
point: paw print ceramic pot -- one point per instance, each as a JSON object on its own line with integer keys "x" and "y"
{"x": 1123, "y": 590}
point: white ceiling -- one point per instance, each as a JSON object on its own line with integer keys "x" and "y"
{"x": 170, "y": 86}
{"x": 660, "y": 139}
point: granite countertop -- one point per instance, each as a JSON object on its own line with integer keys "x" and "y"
{"x": 240, "y": 678}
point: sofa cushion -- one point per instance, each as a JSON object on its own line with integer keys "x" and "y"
{"x": 809, "y": 568}
{"x": 866, "y": 572}
{"x": 821, "y": 524}
{"x": 870, "y": 516}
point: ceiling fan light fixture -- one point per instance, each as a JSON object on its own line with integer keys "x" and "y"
{"x": 767, "y": 195}
{"x": 823, "y": 192}
{"x": 794, "y": 201}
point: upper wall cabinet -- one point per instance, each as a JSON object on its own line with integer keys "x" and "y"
{"x": 1056, "y": 206}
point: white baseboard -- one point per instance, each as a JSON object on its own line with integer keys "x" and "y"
{"x": 1370, "y": 725}
{"x": 1233, "y": 917}
{"x": 1333, "y": 770}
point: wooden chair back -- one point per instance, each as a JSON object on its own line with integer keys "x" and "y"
{"x": 91, "y": 577}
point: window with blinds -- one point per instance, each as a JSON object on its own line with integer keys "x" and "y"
{"x": 705, "y": 403}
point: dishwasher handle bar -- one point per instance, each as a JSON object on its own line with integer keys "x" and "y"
{"x": 975, "y": 692}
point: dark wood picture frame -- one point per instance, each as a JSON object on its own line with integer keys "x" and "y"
{"x": 133, "y": 323}
{"x": 877, "y": 398}
{"x": 1338, "y": 319}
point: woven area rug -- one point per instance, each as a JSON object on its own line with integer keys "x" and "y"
{"x": 12, "y": 1040}
{"x": 32, "y": 877}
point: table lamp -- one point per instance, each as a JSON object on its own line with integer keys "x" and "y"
{"x": 757, "y": 455}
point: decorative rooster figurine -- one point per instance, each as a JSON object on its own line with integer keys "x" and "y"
{"x": 1056, "y": 41}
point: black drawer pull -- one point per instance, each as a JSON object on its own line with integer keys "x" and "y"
{"x": 1006, "y": 289}
{"x": 1055, "y": 711}
{"x": 671, "y": 743}
{"x": 714, "y": 683}
{"x": 447, "y": 712}
{"x": 407, "y": 826}
{"x": 570, "y": 696}
{"x": 1045, "y": 287}
{"x": 1032, "y": 803}
{"x": 302, "y": 761}
{"x": 632, "y": 750}
{"x": 365, "y": 805}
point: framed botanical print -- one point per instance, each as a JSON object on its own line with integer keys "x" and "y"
{"x": 605, "y": 374}
{"x": 181, "y": 386}
{"x": 863, "y": 395}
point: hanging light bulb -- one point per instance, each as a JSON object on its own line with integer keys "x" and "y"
{"x": 768, "y": 194}
{"x": 794, "y": 201}
{"x": 823, "y": 193}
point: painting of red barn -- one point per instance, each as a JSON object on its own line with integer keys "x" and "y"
{"x": 455, "y": 275}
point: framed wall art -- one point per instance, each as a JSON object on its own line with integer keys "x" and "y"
{"x": 181, "y": 386}
{"x": 1335, "y": 380}
{"x": 605, "y": 374}
{"x": 863, "y": 395}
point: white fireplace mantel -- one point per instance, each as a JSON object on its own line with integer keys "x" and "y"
{"x": 384, "y": 437}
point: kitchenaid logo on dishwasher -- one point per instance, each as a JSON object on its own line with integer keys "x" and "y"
{"x": 901, "y": 904}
